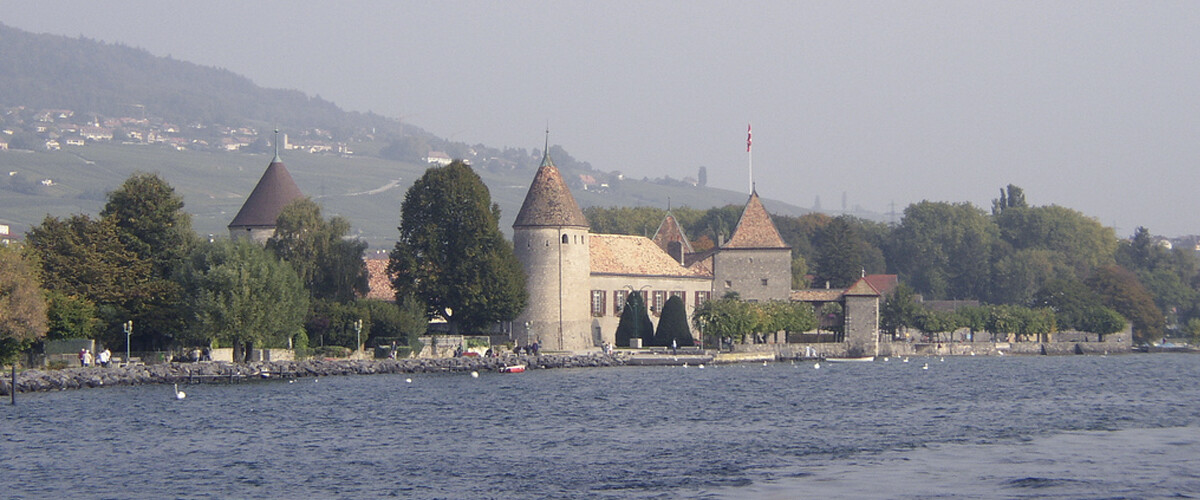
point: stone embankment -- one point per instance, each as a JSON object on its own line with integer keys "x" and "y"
{"x": 216, "y": 372}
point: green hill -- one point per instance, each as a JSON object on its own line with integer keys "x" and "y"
{"x": 98, "y": 81}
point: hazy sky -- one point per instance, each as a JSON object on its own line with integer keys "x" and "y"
{"x": 1091, "y": 105}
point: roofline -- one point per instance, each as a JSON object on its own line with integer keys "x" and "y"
{"x": 672, "y": 276}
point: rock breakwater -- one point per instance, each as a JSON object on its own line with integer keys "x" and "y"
{"x": 217, "y": 372}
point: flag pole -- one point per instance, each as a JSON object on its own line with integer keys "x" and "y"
{"x": 750, "y": 156}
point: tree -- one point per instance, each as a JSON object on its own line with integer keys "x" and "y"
{"x": 1080, "y": 242}
{"x": 1011, "y": 197}
{"x": 334, "y": 323}
{"x": 635, "y": 321}
{"x": 1120, "y": 289}
{"x": 1078, "y": 307}
{"x": 70, "y": 317}
{"x": 724, "y": 317}
{"x": 242, "y": 295}
{"x": 451, "y": 254}
{"x": 329, "y": 265}
{"x": 935, "y": 323}
{"x": 673, "y": 325}
{"x": 899, "y": 310}
{"x": 943, "y": 250}
{"x": 22, "y": 304}
{"x": 85, "y": 258}
{"x": 150, "y": 216}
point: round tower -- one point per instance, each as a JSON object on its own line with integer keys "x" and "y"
{"x": 550, "y": 237}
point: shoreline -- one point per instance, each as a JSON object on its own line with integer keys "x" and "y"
{"x": 37, "y": 380}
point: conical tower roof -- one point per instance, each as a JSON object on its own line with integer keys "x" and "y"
{"x": 670, "y": 231}
{"x": 755, "y": 229}
{"x": 549, "y": 201}
{"x": 274, "y": 190}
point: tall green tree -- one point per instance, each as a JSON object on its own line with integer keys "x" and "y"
{"x": 149, "y": 214}
{"x": 70, "y": 317}
{"x": 22, "y": 304}
{"x": 1120, "y": 289}
{"x": 944, "y": 250}
{"x": 451, "y": 254}
{"x": 330, "y": 265}
{"x": 725, "y": 317}
{"x": 242, "y": 295}
{"x": 673, "y": 325}
{"x": 635, "y": 321}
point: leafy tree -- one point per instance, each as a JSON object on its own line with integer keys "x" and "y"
{"x": 1120, "y": 289}
{"x": 935, "y": 323}
{"x": 973, "y": 318}
{"x": 85, "y": 258}
{"x": 899, "y": 310}
{"x": 451, "y": 254}
{"x": 333, "y": 323}
{"x": 793, "y": 316}
{"x": 150, "y": 216}
{"x": 242, "y": 295}
{"x": 1079, "y": 242}
{"x": 841, "y": 254}
{"x": 635, "y": 321}
{"x": 1103, "y": 321}
{"x": 943, "y": 250}
{"x": 673, "y": 325}
{"x": 1016, "y": 277}
{"x": 725, "y": 317}
{"x": 329, "y": 265}
{"x": 22, "y": 304}
{"x": 394, "y": 321}
{"x": 70, "y": 317}
{"x": 1193, "y": 330}
{"x": 1011, "y": 197}
{"x": 1072, "y": 301}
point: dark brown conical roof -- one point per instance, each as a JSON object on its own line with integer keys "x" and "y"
{"x": 274, "y": 190}
{"x": 755, "y": 229}
{"x": 549, "y": 201}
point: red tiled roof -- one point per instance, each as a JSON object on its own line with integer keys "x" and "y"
{"x": 861, "y": 288}
{"x": 549, "y": 201}
{"x": 816, "y": 295}
{"x": 670, "y": 231}
{"x": 634, "y": 255}
{"x": 755, "y": 229}
{"x": 884, "y": 283}
{"x": 379, "y": 281}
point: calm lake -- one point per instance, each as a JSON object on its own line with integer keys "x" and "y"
{"x": 1004, "y": 427}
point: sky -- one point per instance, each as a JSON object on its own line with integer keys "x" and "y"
{"x": 1090, "y": 105}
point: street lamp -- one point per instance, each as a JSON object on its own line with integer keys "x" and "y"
{"x": 358, "y": 335}
{"x": 128, "y": 327}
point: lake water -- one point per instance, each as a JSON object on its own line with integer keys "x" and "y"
{"x": 1006, "y": 427}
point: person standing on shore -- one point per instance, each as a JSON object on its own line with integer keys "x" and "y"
{"x": 104, "y": 356}
{"x": 83, "y": 357}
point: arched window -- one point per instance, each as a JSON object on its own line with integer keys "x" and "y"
{"x": 565, "y": 239}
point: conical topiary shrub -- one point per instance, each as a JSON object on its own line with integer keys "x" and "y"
{"x": 673, "y": 325}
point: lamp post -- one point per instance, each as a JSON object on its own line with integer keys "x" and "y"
{"x": 128, "y": 327}
{"x": 358, "y": 335}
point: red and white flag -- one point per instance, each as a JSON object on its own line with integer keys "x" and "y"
{"x": 748, "y": 135}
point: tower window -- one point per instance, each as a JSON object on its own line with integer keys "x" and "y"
{"x": 764, "y": 281}
{"x": 565, "y": 239}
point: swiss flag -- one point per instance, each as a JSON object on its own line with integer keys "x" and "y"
{"x": 748, "y": 135}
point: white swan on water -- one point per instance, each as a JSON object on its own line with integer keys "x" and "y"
{"x": 178, "y": 393}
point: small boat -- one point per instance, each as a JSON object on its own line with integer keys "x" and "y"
{"x": 850, "y": 360}
{"x": 512, "y": 369}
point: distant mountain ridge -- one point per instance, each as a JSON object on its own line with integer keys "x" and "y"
{"x": 89, "y": 76}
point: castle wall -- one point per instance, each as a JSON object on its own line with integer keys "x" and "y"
{"x": 604, "y": 322}
{"x": 755, "y": 274}
{"x": 258, "y": 235}
{"x": 557, "y": 315}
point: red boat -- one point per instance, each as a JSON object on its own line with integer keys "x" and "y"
{"x": 512, "y": 369}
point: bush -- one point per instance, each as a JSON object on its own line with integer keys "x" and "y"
{"x": 673, "y": 326}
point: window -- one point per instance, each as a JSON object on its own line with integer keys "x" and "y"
{"x": 619, "y": 297}
{"x": 656, "y": 305}
{"x": 565, "y": 239}
{"x": 702, "y": 297}
{"x": 764, "y": 281}
{"x": 681, "y": 294}
{"x": 598, "y": 302}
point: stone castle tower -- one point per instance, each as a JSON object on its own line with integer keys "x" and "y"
{"x": 256, "y": 219}
{"x": 755, "y": 262}
{"x": 550, "y": 237}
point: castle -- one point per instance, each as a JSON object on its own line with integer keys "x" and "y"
{"x": 578, "y": 280}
